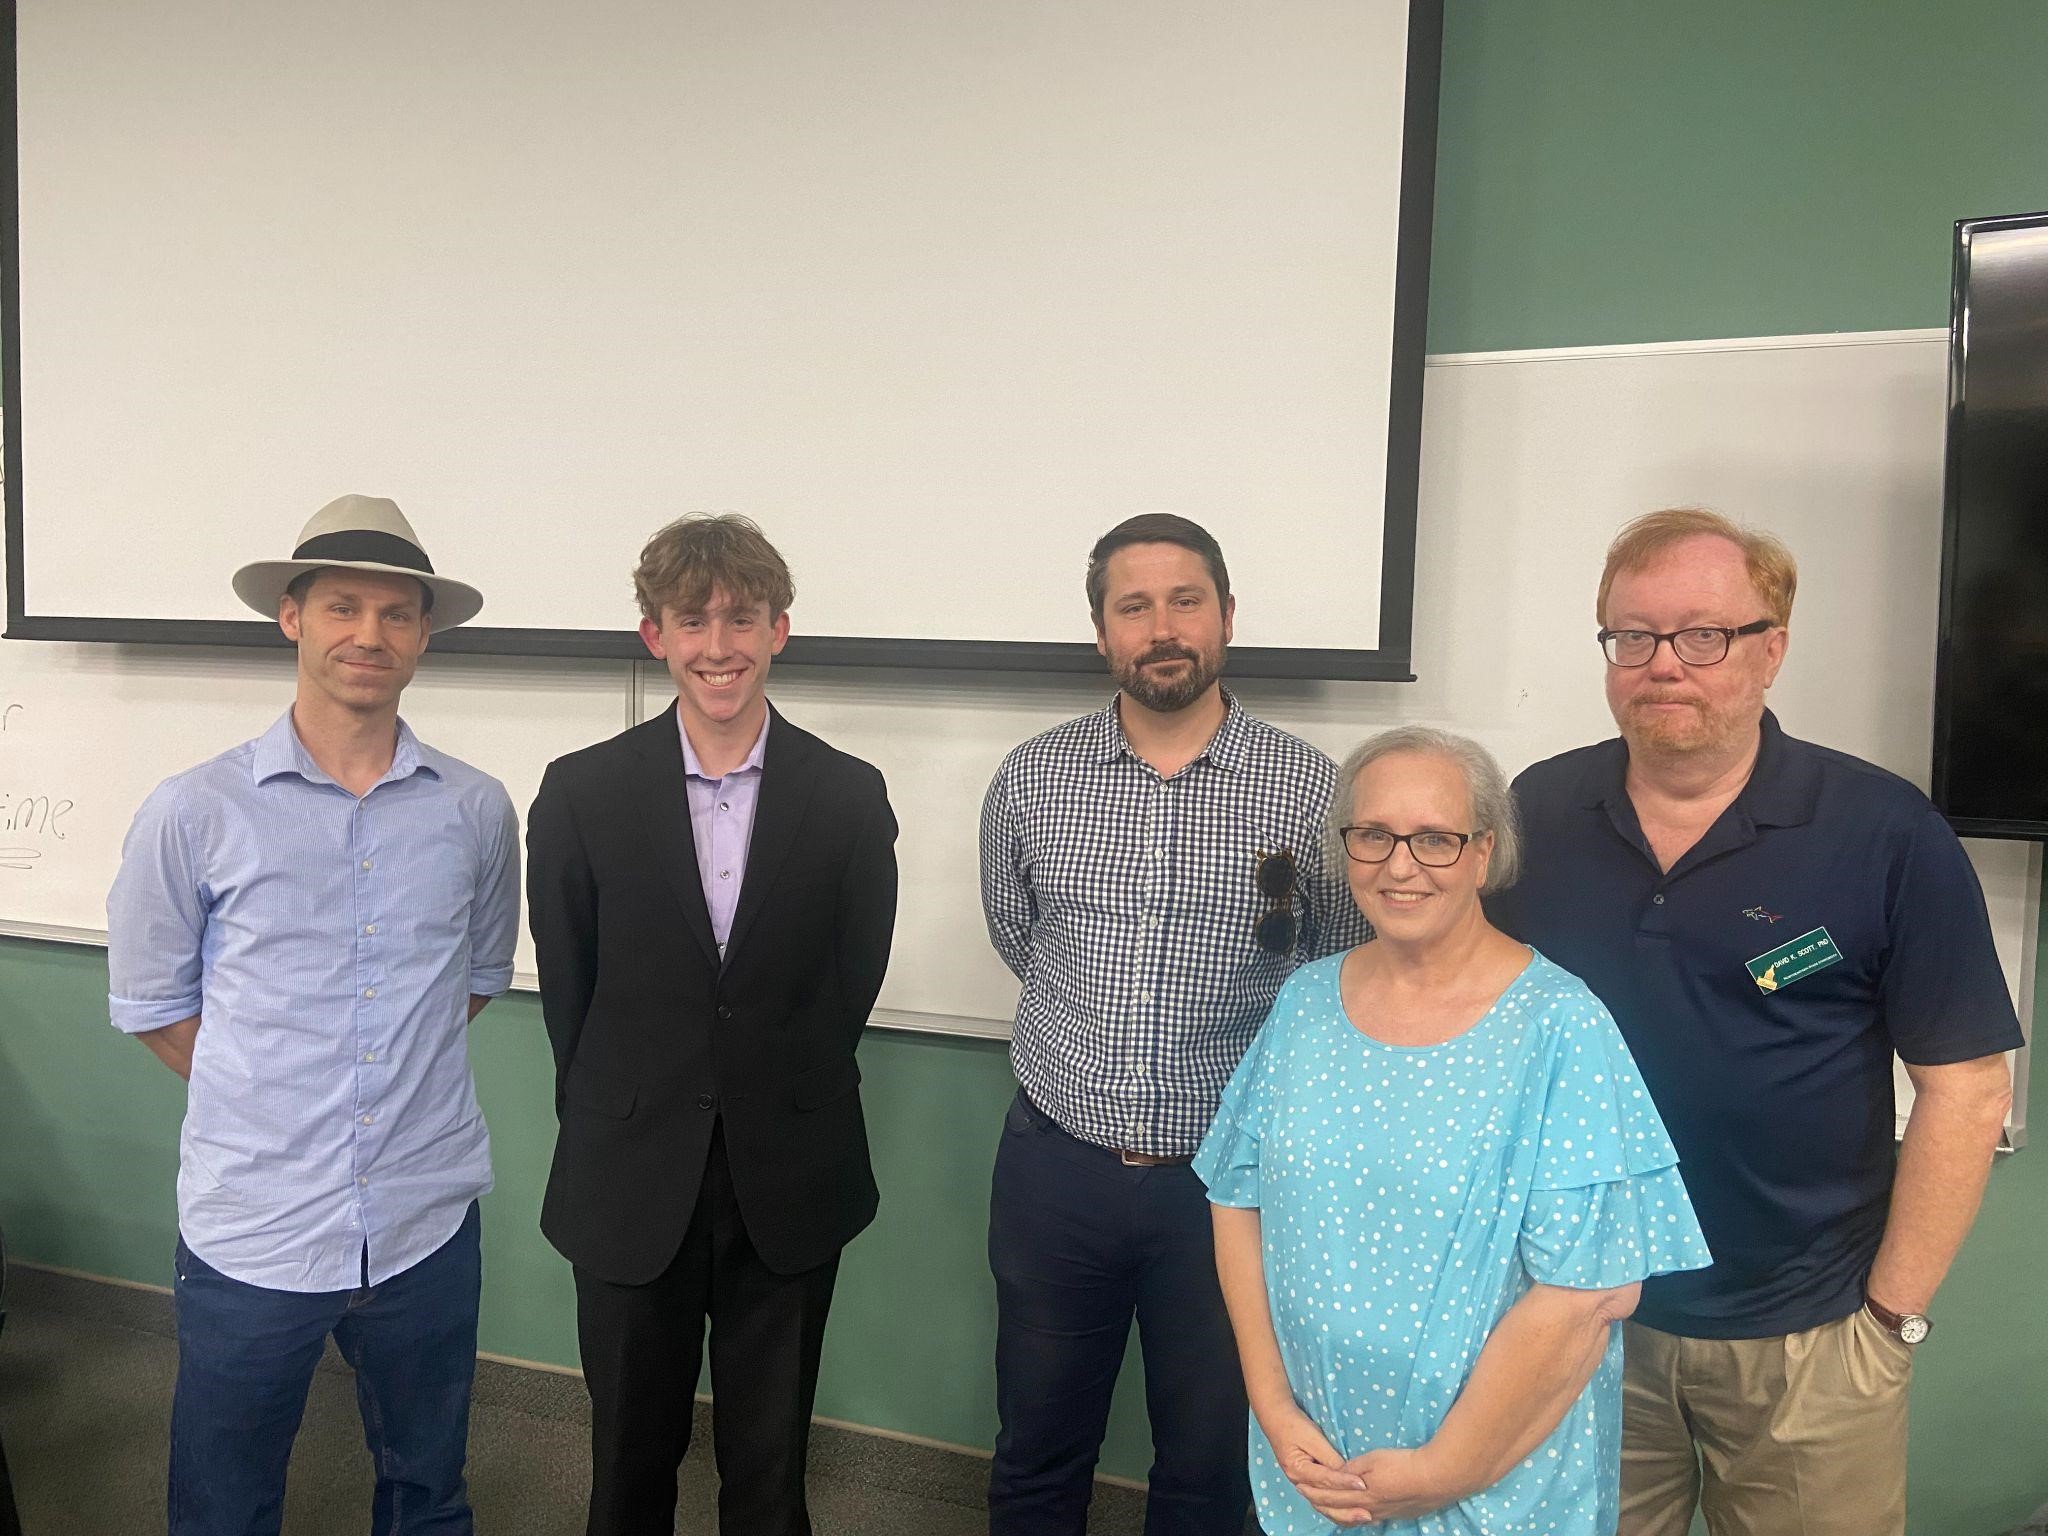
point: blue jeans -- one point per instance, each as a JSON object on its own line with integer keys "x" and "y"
{"x": 246, "y": 1356}
{"x": 1080, "y": 1245}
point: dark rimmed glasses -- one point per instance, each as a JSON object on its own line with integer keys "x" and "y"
{"x": 1702, "y": 645}
{"x": 1376, "y": 845}
{"x": 1277, "y": 930}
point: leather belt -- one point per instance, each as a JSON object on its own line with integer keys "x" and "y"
{"x": 1132, "y": 1159}
{"x": 1123, "y": 1155}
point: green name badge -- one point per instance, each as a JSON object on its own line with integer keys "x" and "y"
{"x": 1812, "y": 951}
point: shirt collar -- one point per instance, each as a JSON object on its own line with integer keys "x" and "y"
{"x": 1226, "y": 749}
{"x": 279, "y": 751}
{"x": 756, "y": 754}
{"x": 1783, "y": 788}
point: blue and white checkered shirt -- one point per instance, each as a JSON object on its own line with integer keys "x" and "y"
{"x": 330, "y": 946}
{"x": 1128, "y": 905}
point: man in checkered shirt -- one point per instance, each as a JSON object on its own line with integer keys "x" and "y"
{"x": 1151, "y": 872}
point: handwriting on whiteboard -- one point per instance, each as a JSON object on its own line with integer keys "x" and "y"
{"x": 27, "y": 819}
{"x": 39, "y": 815}
{"x": 30, "y": 816}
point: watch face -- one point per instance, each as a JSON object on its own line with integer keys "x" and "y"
{"x": 1914, "y": 1329}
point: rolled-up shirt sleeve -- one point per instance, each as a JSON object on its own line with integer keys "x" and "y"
{"x": 156, "y": 921}
{"x": 494, "y": 915}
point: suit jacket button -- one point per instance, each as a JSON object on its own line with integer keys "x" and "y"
{"x": 705, "y": 1101}
{"x": 724, "y": 1011}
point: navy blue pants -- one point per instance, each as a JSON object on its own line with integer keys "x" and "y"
{"x": 246, "y": 1355}
{"x": 1080, "y": 1244}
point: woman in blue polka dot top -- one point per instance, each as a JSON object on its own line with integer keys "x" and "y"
{"x": 1437, "y": 1182}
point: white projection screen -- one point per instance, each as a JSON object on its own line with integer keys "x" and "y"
{"x": 935, "y": 290}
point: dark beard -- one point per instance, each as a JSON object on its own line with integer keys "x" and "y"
{"x": 1166, "y": 698}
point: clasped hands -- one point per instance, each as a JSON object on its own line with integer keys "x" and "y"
{"x": 1365, "y": 1490}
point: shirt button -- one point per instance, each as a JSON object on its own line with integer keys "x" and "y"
{"x": 369, "y": 991}
{"x": 369, "y": 1055}
{"x": 366, "y": 863}
{"x": 1658, "y": 898}
{"x": 1137, "y": 1069}
{"x": 369, "y": 927}
{"x": 362, "y": 1183}
{"x": 1137, "y": 1130}
{"x": 368, "y": 1119}
{"x": 724, "y": 806}
{"x": 725, "y": 874}
{"x": 705, "y": 1101}
{"x": 724, "y": 1012}
{"x": 1144, "y": 994}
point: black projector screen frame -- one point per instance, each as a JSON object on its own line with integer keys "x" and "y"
{"x": 1390, "y": 660}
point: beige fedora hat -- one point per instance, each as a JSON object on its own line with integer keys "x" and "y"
{"x": 358, "y": 533}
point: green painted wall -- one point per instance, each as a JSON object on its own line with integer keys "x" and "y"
{"x": 1628, "y": 170}
{"x": 1609, "y": 172}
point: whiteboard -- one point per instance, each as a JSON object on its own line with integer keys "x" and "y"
{"x": 1532, "y": 460}
{"x": 925, "y": 286}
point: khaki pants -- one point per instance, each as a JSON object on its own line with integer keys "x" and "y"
{"x": 1803, "y": 1435}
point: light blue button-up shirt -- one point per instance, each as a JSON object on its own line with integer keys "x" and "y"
{"x": 330, "y": 945}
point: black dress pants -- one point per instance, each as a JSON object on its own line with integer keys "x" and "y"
{"x": 643, "y": 1346}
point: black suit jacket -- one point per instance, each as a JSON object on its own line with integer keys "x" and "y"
{"x": 654, "y": 1039}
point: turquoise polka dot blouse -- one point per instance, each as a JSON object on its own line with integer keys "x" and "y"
{"x": 1409, "y": 1195}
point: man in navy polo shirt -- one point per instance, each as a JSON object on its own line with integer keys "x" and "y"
{"x": 1769, "y": 921}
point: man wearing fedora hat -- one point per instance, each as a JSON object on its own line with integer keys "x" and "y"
{"x": 302, "y": 928}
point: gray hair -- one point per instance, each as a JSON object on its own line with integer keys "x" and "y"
{"x": 1493, "y": 803}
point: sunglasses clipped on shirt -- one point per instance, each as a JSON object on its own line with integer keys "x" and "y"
{"x": 1278, "y": 929}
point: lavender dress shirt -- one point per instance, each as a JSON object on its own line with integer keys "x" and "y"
{"x": 722, "y": 824}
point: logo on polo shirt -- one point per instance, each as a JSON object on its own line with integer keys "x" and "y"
{"x": 1762, "y": 915}
{"x": 1812, "y": 951}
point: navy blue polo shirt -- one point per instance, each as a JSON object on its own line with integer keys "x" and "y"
{"x": 1828, "y": 918}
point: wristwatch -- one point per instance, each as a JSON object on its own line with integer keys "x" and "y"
{"x": 1907, "y": 1327}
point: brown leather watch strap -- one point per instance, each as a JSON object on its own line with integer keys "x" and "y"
{"x": 1895, "y": 1322}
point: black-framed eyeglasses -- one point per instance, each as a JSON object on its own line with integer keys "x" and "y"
{"x": 1277, "y": 930}
{"x": 1702, "y": 645}
{"x": 1376, "y": 845}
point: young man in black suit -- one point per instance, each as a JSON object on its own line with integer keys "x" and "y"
{"x": 712, "y": 896}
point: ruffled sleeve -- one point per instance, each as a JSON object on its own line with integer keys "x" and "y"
{"x": 1228, "y": 1159}
{"x": 1606, "y": 1205}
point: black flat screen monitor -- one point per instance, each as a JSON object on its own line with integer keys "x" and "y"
{"x": 1991, "y": 676}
